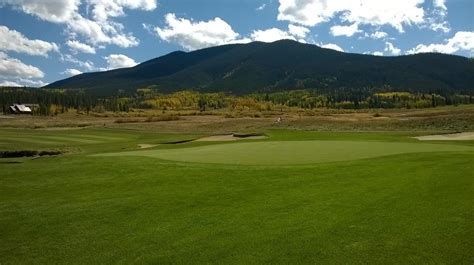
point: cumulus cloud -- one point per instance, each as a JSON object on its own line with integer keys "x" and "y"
{"x": 192, "y": 35}
{"x": 363, "y": 12}
{"x": 391, "y": 49}
{"x": 14, "y": 68}
{"x": 103, "y": 9}
{"x": 98, "y": 29}
{"x": 71, "y": 72}
{"x": 378, "y": 53}
{"x": 21, "y": 82}
{"x": 440, "y": 6}
{"x": 331, "y": 46}
{"x": 115, "y": 61}
{"x": 436, "y": 20}
{"x": 196, "y": 35}
{"x": 77, "y": 46}
{"x": 8, "y": 83}
{"x": 57, "y": 11}
{"x": 378, "y": 35}
{"x": 271, "y": 35}
{"x": 87, "y": 66}
{"x": 298, "y": 31}
{"x": 101, "y": 32}
{"x": 12, "y": 40}
{"x": 347, "y": 31}
{"x": 461, "y": 41}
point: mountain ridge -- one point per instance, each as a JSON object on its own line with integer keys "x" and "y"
{"x": 282, "y": 65}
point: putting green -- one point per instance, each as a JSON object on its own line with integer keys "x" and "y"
{"x": 290, "y": 152}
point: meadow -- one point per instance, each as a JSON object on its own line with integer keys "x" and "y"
{"x": 293, "y": 197}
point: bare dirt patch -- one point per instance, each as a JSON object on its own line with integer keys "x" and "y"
{"x": 465, "y": 136}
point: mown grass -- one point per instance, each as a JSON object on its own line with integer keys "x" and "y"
{"x": 412, "y": 208}
{"x": 290, "y": 152}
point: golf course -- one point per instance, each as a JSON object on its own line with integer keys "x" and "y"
{"x": 124, "y": 196}
{"x": 236, "y": 132}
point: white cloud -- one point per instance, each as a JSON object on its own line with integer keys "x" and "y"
{"x": 389, "y": 47}
{"x": 370, "y": 12}
{"x": 21, "y": 83}
{"x": 304, "y": 12}
{"x": 196, "y": 35}
{"x": 115, "y": 61}
{"x": 378, "y": 53}
{"x": 14, "y": 68}
{"x": 437, "y": 19}
{"x": 8, "y": 83}
{"x": 347, "y": 31}
{"x": 440, "y": 6}
{"x": 57, "y": 11}
{"x": 331, "y": 46}
{"x": 71, "y": 72}
{"x": 63, "y": 11}
{"x": 461, "y": 41}
{"x": 271, "y": 35}
{"x": 379, "y": 35}
{"x": 12, "y": 40}
{"x": 103, "y": 9}
{"x": 77, "y": 46}
{"x": 262, "y": 7}
{"x": 102, "y": 32}
{"x": 87, "y": 66}
{"x": 298, "y": 31}
{"x": 97, "y": 30}
{"x": 440, "y": 26}
{"x": 193, "y": 35}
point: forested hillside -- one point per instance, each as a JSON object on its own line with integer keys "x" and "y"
{"x": 284, "y": 65}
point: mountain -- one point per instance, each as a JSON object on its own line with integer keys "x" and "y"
{"x": 283, "y": 65}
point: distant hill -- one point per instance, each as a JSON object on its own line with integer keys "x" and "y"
{"x": 283, "y": 65}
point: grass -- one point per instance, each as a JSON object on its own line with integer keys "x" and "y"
{"x": 406, "y": 202}
{"x": 290, "y": 152}
{"x": 447, "y": 119}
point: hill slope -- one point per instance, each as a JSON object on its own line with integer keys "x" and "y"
{"x": 245, "y": 68}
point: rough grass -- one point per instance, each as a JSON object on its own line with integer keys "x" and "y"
{"x": 411, "y": 208}
{"x": 442, "y": 119}
{"x": 149, "y": 119}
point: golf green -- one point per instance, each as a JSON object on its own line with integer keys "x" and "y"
{"x": 290, "y": 152}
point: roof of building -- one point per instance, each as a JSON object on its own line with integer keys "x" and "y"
{"x": 20, "y": 108}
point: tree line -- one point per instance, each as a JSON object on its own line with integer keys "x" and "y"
{"x": 55, "y": 101}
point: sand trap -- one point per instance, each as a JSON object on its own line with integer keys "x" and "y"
{"x": 145, "y": 146}
{"x": 465, "y": 136}
{"x": 229, "y": 137}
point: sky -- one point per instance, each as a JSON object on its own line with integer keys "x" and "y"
{"x": 42, "y": 41}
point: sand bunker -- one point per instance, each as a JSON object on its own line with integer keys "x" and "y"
{"x": 229, "y": 137}
{"x": 465, "y": 136}
{"x": 145, "y": 146}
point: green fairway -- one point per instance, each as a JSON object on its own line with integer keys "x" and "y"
{"x": 291, "y": 152}
{"x": 295, "y": 198}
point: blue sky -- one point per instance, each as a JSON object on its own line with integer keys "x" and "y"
{"x": 42, "y": 41}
